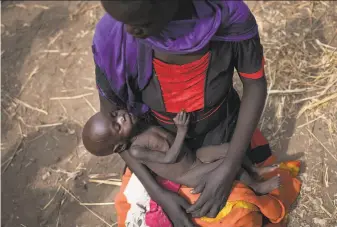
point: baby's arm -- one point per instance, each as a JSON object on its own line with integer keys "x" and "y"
{"x": 145, "y": 153}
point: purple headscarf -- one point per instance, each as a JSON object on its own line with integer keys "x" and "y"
{"x": 116, "y": 52}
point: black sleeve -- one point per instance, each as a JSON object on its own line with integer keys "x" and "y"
{"x": 108, "y": 99}
{"x": 248, "y": 58}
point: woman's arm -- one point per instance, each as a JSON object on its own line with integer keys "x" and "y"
{"x": 253, "y": 100}
{"x": 248, "y": 59}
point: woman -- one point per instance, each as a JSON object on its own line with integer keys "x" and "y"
{"x": 163, "y": 56}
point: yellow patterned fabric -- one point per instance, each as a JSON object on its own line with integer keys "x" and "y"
{"x": 292, "y": 166}
{"x": 228, "y": 208}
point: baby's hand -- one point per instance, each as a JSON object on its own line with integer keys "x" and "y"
{"x": 182, "y": 120}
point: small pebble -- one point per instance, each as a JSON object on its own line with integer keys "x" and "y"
{"x": 71, "y": 131}
{"x": 46, "y": 175}
{"x": 318, "y": 221}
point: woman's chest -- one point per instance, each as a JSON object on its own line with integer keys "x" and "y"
{"x": 190, "y": 82}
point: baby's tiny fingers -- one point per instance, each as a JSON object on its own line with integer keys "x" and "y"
{"x": 180, "y": 116}
{"x": 184, "y": 117}
{"x": 188, "y": 118}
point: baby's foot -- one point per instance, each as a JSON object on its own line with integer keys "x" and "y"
{"x": 267, "y": 186}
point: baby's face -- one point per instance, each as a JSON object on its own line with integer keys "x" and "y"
{"x": 122, "y": 123}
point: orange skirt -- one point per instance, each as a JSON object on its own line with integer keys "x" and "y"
{"x": 243, "y": 208}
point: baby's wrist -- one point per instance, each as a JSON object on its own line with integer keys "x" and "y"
{"x": 182, "y": 129}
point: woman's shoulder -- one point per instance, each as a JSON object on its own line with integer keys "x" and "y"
{"x": 104, "y": 31}
{"x": 238, "y": 22}
{"x": 109, "y": 33}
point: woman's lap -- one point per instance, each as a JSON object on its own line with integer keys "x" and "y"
{"x": 272, "y": 206}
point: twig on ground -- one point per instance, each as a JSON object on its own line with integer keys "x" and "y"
{"x": 309, "y": 122}
{"x": 29, "y": 106}
{"x": 16, "y": 150}
{"x": 326, "y": 177}
{"x": 319, "y": 43}
{"x": 97, "y": 204}
{"x": 279, "y": 128}
{"x": 50, "y": 51}
{"x": 71, "y": 97}
{"x": 41, "y": 7}
{"x": 70, "y": 175}
{"x": 39, "y": 126}
{"x": 327, "y": 150}
{"x": 63, "y": 107}
{"x": 294, "y": 91}
{"x": 105, "y": 182}
{"x": 37, "y": 137}
{"x": 29, "y": 78}
{"x": 52, "y": 40}
{"x": 98, "y": 175}
{"x": 20, "y": 6}
{"x": 52, "y": 199}
{"x": 315, "y": 104}
{"x": 74, "y": 197}
{"x": 90, "y": 105}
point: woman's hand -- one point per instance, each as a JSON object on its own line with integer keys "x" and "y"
{"x": 214, "y": 190}
{"x": 175, "y": 208}
{"x": 173, "y": 205}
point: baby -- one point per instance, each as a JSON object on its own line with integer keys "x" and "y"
{"x": 165, "y": 155}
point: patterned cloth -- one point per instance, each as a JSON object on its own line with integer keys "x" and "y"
{"x": 243, "y": 209}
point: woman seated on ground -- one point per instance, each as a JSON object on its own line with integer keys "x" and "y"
{"x": 164, "y": 56}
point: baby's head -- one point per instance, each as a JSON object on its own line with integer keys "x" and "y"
{"x": 104, "y": 135}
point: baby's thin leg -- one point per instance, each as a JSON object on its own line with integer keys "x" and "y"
{"x": 262, "y": 187}
{"x": 212, "y": 153}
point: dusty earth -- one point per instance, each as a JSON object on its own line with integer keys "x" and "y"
{"x": 48, "y": 93}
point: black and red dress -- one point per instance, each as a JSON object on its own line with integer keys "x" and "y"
{"x": 204, "y": 88}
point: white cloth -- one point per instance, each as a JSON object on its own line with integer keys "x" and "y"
{"x": 139, "y": 200}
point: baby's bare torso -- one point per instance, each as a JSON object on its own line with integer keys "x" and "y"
{"x": 188, "y": 170}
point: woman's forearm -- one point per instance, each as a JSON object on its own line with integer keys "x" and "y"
{"x": 252, "y": 103}
{"x": 144, "y": 175}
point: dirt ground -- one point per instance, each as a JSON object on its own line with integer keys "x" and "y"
{"x": 48, "y": 93}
